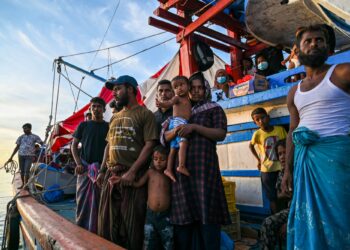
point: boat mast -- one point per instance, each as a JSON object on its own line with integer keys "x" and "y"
{"x": 187, "y": 31}
{"x": 60, "y": 61}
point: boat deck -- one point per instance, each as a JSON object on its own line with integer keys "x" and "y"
{"x": 65, "y": 208}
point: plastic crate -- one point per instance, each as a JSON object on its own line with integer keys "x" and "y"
{"x": 233, "y": 230}
{"x": 230, "y": 188}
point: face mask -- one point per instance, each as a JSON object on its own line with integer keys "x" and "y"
{"x": 263, "y": 65}
{"x": 221, "y": 79}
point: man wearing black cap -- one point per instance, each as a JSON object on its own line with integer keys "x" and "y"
{"x": 26, "y": 151}
{"x": 131, "y": 138}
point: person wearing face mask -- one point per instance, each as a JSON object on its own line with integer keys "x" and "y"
{"x": 221, "y": 81}
{"x": 262, "y": 66}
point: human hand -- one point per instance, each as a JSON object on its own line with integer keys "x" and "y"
{"x": 114, "y": 179}
{"x": 287, "y": 183}
{"x": 79, "y": 169}
{"x": 185, "y": 130}
{"x": 128, "y": 178}
{"x": 99, "y": 179}
{"x": 259, "y": 166}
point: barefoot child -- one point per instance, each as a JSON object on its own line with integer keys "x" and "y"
{"x": 265, "y": 138}
{"x": 181, "y": 114}
{"x": 157, "y": 218}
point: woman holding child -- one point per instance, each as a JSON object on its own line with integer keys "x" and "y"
{"x": 199, "y": 205}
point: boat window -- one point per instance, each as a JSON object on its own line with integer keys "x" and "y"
{"x": 339, "y": 21}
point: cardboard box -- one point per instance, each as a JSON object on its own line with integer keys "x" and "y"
{"x": 256, "y": 84}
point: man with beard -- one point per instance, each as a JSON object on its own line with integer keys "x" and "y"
{"x": 164, "y": 93}
{"x": 130, "y": 141}
{"x": 92, "y": 135}
{"x": 318, "y": 148}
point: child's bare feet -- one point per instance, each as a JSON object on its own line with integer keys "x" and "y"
{"x": 170, "y": 174}
{"x": 183, "y": 170}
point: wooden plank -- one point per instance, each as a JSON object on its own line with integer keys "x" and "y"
{"x": 53, "y": 231}
{"x": 204, "y": 30}
{"x": 222, "y": 19}
{"x": 171, "y": 3}
{"x": 173, "y": 29}
{"x": 203, "y": 18}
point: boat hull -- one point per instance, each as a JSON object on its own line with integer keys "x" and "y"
{"x": 42, "y": 228}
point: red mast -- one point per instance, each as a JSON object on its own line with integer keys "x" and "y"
{"x": 187, "y": 31}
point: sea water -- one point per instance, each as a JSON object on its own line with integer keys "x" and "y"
{"x": 5, "y": 196}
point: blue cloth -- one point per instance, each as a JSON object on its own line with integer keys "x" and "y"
{"x": 320, "y": 212}
{"x": 175, "y": 122}
{"x": 53, "y": 194}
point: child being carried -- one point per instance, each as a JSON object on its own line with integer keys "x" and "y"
{"x": 181, "y": 114}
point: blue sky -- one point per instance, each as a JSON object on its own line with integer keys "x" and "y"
{"x": 35, "y": 32}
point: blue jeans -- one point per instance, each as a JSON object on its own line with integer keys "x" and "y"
{"x": 25, "y": 162}
{"x": 158, "y": 230}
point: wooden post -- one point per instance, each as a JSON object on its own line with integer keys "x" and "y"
{"x": 236, "y": 57}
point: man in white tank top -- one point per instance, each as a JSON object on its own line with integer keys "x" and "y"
{"x": 318, "y": 149}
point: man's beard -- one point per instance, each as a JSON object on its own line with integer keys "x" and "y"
{"x": 122, "y": 101}
{"x": 314, "y": 60}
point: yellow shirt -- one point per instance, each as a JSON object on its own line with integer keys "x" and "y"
{"x": 266, "y": 146}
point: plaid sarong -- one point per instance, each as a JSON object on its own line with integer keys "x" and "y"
{"x": 200, "y": 197}
{"x": 88, "y": 197}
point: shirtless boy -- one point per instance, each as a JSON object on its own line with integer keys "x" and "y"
{"x": 181, "y": 114}
{"x": 157, "y": 218}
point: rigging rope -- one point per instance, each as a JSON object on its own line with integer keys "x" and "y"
{"x": 70, "y": 85}
{"x": 116, "y": 46}
{"x": 65, "y": 77}
{"x": 104, "y": 36}
{"x": 58, "y": 90}
{"x": 141, "y": 51}
{"x": 81, "y": 83}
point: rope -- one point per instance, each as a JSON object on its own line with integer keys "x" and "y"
{"x": 104, "y": 36}
{"x": 58, "y": 90}
{"x": 70, "y": 85}
{"x": 81, "y": 83}
{"x": 10, "y": 167}
{"x": 115, "y": 46}
{"x": 141, "y": 51}
{"x": 205, "y": 6}
{"x": 65, "y": 77}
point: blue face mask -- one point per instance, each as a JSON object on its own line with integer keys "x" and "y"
{"x": 263, "y": 65}
{"x": 221, "y": 79}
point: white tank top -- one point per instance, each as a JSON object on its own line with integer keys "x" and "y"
{"x": 324, "y": 109}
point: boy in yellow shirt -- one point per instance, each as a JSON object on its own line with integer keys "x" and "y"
{"x": 265, "y": 138}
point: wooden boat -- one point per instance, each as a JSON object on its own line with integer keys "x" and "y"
{"x": 264, "y": 16}
{"x": 51, "y": 227}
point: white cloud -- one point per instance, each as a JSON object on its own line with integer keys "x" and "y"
{"x": 136, "y": 21}
{"x": 25, "y": 40}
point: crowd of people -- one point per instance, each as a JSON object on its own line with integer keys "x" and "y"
{"x": 152, "y": 180}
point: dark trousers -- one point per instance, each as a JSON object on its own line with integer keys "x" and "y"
{"x": 25, "y": 162}
{"x": 197, "y": 236}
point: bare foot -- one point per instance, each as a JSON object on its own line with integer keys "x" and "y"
{"x": 183, "y": 170}
{"x": 170, "y": 174}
